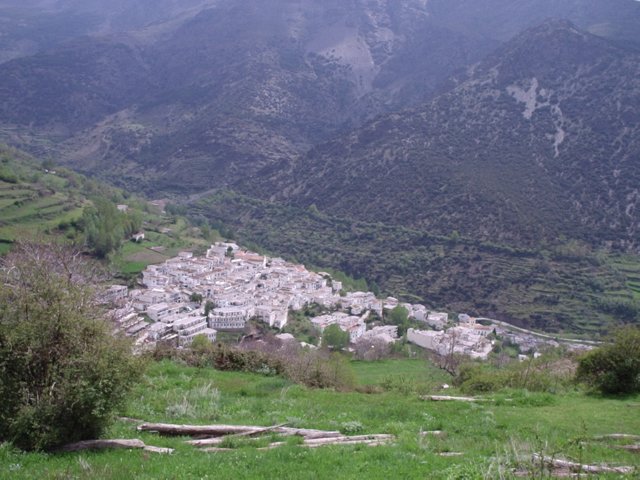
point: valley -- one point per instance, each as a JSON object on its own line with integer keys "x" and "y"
{"x": 481, "y": 157}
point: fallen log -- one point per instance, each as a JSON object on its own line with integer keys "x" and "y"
{"x": 112, "y": 444}
{"x": 446, "y": 398}
{"x": 369, "y": 443}
{"x": 579, "y": 467}
{"x": 433, "y": 433}
{"x": 307, "y": 432}
{"x": 347, "y": 439}
{"x": 219, "y": 440}
{"x": 216, "y": 449}
{"x": 195, "y": 430}
{"x": 450, "y": 454}
{"x": 222, "y": 430}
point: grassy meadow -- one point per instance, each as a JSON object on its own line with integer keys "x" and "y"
{"x": 494, "y": 437}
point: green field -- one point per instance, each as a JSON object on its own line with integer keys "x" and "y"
{"x": 493, "y": 437}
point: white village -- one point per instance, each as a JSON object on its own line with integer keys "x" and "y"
{"x": 189, "y": 295}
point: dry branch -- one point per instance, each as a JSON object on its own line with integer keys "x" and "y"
{"x": 195, "y": 430}
{"x": 578, "y": 467}
{"x": 369, "y": 443}
{"x": 112, "y": 444}
{"x": 222, "y": 430}
{"x": 346, "y": 439}
{"x": 445, "y": 398}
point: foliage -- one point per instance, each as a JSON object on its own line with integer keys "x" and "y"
{"x": 334, "y": 337}
{"x": 196, "y": 298}
{"x": 313, "y": 368}
{"x": 104, "y": 227}
{"x": 529, "y": 285}
{"x": 63, "y": 372}
{"x": 614, "y": 368}
{"x": 545, "y": 374}
{"x": 399, "y": 316}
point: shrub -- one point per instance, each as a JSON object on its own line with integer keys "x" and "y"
{"x": 62, "y": 372}
{"x": 334, "y": 337}
{"x": 614, "y": 368}
{"x": 545, "y": 374}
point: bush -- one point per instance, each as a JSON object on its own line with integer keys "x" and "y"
{"x": 312, "y": 368}
{"x": 545, "y": 374}
{"x": 614, "y": 368}
{"x": 334, "y": 337}
{"x": 62, "y": 372}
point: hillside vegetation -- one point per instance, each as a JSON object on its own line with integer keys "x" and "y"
{"x": 493, "y": 438}
{"x": 563, "y": 287}
{"x": 45, "y": 202}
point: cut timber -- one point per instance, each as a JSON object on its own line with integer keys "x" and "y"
{"x": 112, "y": 444}
{"x": 221, "y": 430}
{"x": 193, "y": 430}
{"x": 307, "y": 433}
{"x": 347, "y": 439}
{"x": 216, "y": 449}
{"x": 369, "y": 443}
{"x": 433, "y": 433}
{"x": 445, "y": 398}
{"x": 578, "y": 467}
{"x": 218, "y": 440}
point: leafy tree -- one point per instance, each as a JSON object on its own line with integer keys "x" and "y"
{"x": 62, "y": 371}
{"x": 334, "y": 337}
{"x": 399, "y": 316}
{"x": 103, "y": 226}
{"x": 196, "y": 298}
{"x": 208, "y": 306}
{"x": 614, "y": 368}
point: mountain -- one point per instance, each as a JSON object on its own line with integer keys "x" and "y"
{"x": 539, "y": 140}
{"x": 32, "y": 26}
{"x": 182, "y": 97}
{"x": 231, "y": 89}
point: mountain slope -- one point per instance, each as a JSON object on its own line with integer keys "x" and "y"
{"x": 541, "y": 140}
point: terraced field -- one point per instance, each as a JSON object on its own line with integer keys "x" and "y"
{"x": 33, "y": 208}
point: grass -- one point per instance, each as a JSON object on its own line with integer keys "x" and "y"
{"x": 491, "y": 435}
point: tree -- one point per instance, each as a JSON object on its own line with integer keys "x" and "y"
{"x": 103, "y": 227}
{"x": 334, "y": 337}
{"x": 62, "y": 371}
{"x": 399, "y": 316}
{"x": 196, "y": 298}
{"x": 614, "y": 368}
{"x": 208, "y": 306}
